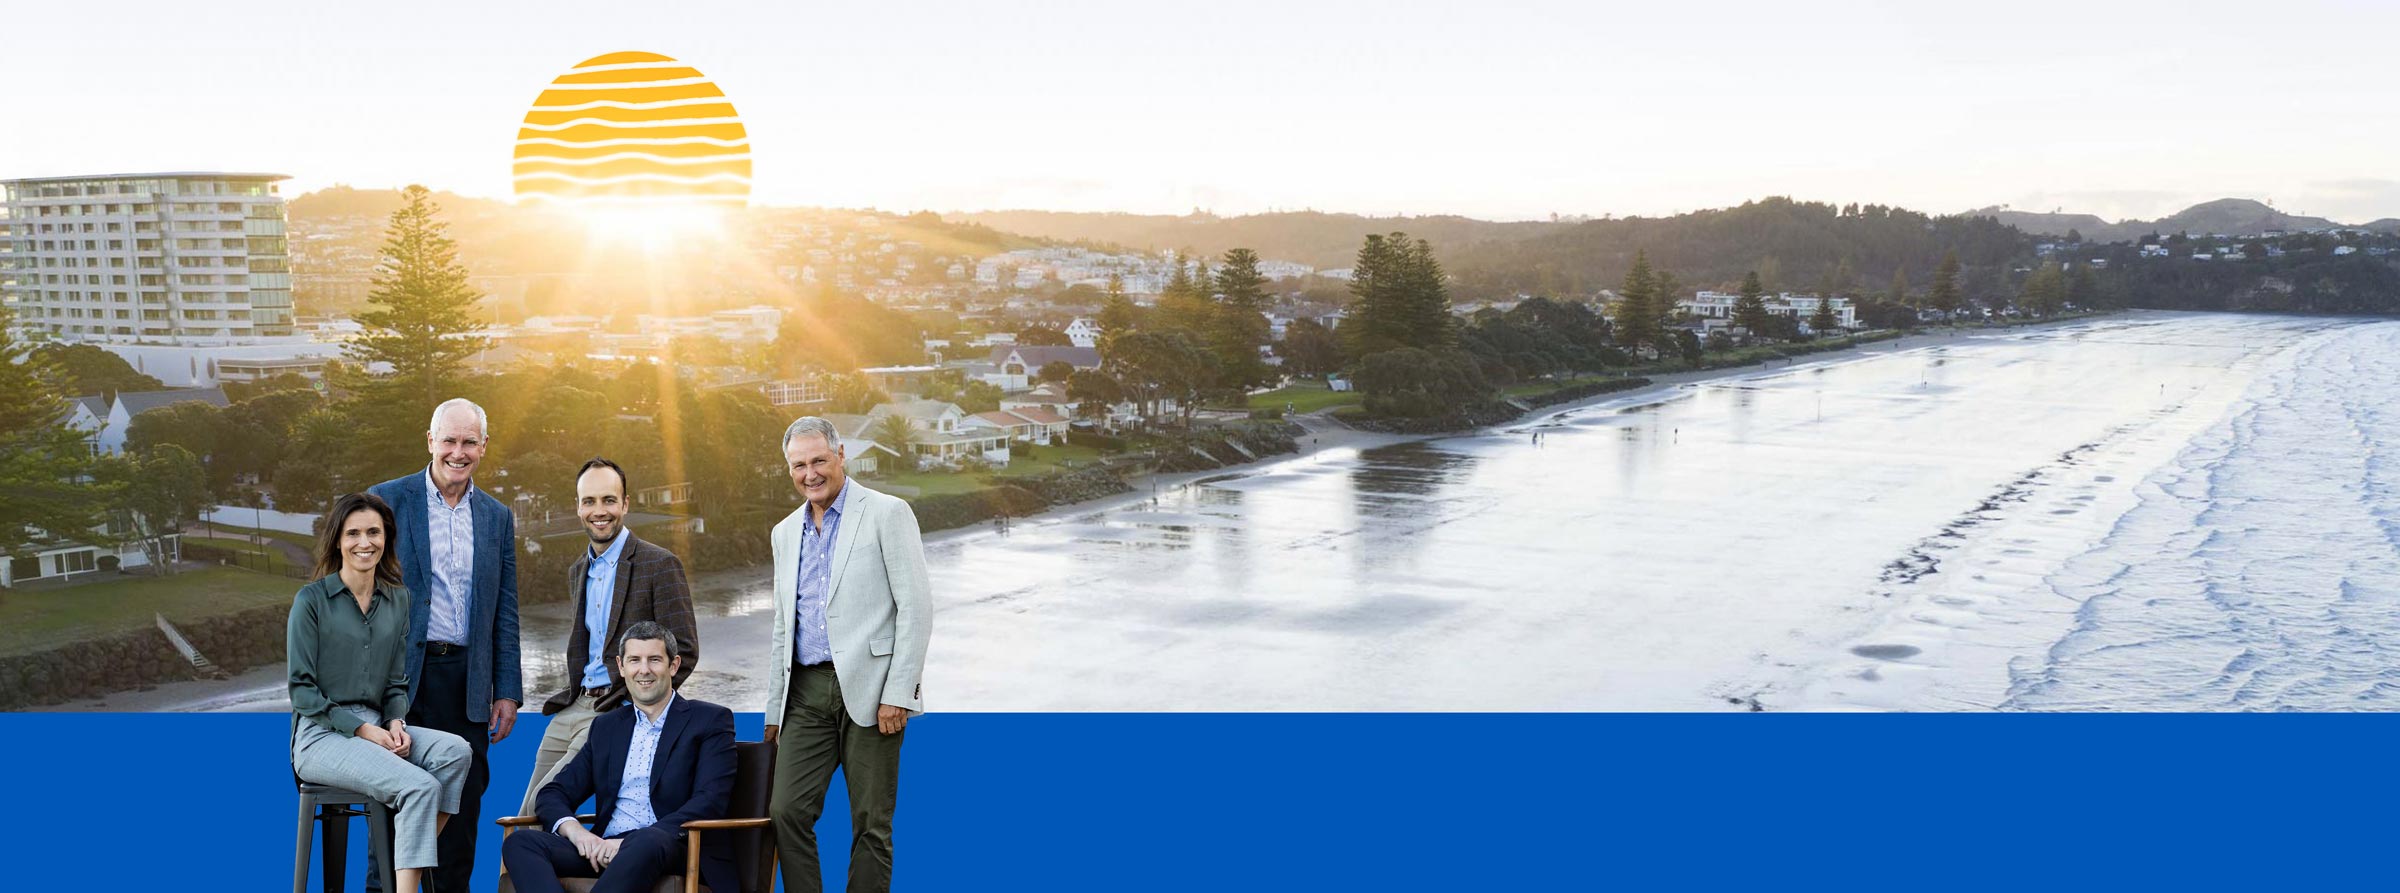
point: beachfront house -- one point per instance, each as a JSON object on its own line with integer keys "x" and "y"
{"x": 109, "y": 425}
{"x": 1719, "y": 305}
{"x": 1014, "y": 367}
{"x": 1048, "y": 396}
{"x": 942, "y": 437}
{"x": 1027, "y": 425}
{"x": 52, "y": 557}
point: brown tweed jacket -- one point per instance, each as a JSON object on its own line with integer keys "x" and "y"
{"x": 649, "y": 586}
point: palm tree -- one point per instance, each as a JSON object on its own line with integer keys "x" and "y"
{"x": 895, "y": 432}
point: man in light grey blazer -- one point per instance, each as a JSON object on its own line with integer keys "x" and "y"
{"x": 849, "y": 650}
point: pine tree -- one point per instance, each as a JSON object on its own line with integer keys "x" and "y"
{"x": 1822, "y": 320}
{"x": 2084, "y": 289}
{"x": 1180, "y": 283}
{"x": 1185, "y": 305}
{"x": 42, "y": 460}
{"x": 1638, "y": 315}
{"x": 1750, "y": 311}
{"x": 1241, "y": 324}
{"x": 1944, "y": 294}
{"x": 2044, "y": 291}
{"x": 421, "y": 317}
{"x": 1399, "y": 298}
{"x": 1899, "y": 294}
{"x": 1118, "y": 315}
{"x": 1426, "y": 295}
{"x": 1665, "y": 292}
{"x": 1375, "y": 323}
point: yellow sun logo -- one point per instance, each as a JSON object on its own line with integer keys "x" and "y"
{"x": 633, "y": 129}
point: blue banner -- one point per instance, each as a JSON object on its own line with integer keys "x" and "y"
{"x": 1357, "y": 801}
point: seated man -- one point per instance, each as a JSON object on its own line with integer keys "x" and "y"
{"x": 650, "y": 766}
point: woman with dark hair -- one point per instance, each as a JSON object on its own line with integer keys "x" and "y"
{"x": 346, "y": 644}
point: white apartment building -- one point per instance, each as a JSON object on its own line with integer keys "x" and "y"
{"x": 184, "y": 258}
{"x": 1719, "y": 305}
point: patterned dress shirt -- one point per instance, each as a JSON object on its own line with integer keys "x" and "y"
{"x": 634, "y": 811}
{"x": 451, "y": 533}
{"x": 809, "y": 642}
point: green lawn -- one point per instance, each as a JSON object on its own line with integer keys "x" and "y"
{"x": 1046, "y": 459}
{"x": 1304, "y": 396}
{"x": 304, "y": 541}
{"x": 44, "y": 619}
{"x": 928, "y": 483}
{"x": 268, "y": 552}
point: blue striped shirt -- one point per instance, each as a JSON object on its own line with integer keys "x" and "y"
{"x": 451, "y": 533}
{"x": 809, "y": 642}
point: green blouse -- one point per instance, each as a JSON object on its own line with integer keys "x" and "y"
{"x": 339, "y": 655}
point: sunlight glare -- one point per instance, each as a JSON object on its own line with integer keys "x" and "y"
{"x": 652, "y": 227}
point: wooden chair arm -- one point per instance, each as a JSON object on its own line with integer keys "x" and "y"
{"x": 719, "y": 824}
{"x": 514, "y": 822}
{"x": 691, "y": 850}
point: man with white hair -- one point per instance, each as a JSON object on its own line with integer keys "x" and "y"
{"x": 848, "y": 654}
{"x": 458, "y": 556}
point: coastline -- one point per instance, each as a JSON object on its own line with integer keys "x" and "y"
{"x": 1326, "y": 434}
{"x": 731, "y": 596}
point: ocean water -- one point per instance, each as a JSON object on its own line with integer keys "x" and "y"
{"x": 2261, "y": 569}
{"x": 2252, "y": 563}
{"x": 1997, "y": 523}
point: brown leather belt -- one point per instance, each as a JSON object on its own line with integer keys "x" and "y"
{"x": 595, "y": 693}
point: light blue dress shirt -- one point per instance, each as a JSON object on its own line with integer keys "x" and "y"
{"x": 451, "y": 533}
{"x": 634, "y": 811}
{"x": 599, "y": 593}
{"x": 816, "y": 581}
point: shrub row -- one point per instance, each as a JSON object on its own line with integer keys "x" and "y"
{"x": 1587, "y": 389}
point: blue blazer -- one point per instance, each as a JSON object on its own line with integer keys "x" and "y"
{"x": 691, "y": 778}
{"x": 492, "y": 670}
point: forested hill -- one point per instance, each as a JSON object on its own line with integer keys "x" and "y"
{"x": 1792, "y": 245}
{"x": 2229, "y": 216}
{"x": 346, "y": 201}
{"x": 1314, "y": 238}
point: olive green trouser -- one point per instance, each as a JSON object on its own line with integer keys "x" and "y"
{"x": 817, "y": 736}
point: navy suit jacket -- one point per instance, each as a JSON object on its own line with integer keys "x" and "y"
{"x": 492, "y": 669}
{"x": 691, "y": 778}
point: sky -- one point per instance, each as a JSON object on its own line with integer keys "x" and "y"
{"x": 1497, "y": 110}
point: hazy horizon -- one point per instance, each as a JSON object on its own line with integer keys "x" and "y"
{"x": 950, "y": 212}
{"x": 1514, "y": 112}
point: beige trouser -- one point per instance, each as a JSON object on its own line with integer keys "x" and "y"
{"x": 560, "y": 743}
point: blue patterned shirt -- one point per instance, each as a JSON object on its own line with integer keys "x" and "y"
{"x": 809, "y": 643}
{"x": 634, "y": 811}
{"x": 599, "y": 593}
{"x": 451, "y": 533}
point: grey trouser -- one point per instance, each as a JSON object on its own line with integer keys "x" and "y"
{"x": 429, "y": 781}
{"x": 560, "y": 743}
